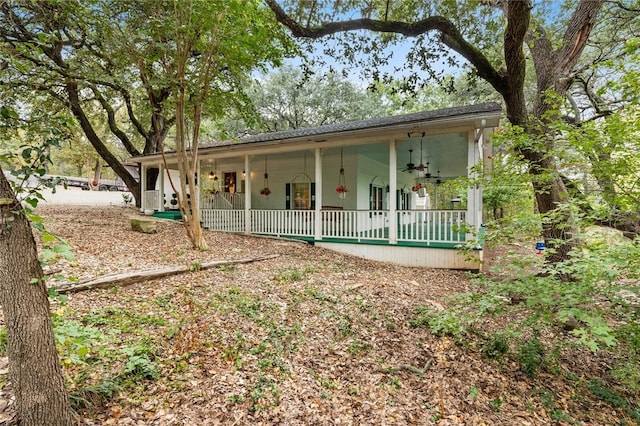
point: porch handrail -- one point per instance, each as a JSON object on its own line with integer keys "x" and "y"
{"x": 295, "y": 223}
{"x": 226, "y": 220}
{"x": 223, "y": 200}
{"x": 442, "y": 226}
{"x": 413, "y": 226}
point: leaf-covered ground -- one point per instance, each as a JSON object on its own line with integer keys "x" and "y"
{"x": 310, "y": 337}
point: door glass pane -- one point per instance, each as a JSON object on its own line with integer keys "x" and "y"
{"x": 301, "y": 195}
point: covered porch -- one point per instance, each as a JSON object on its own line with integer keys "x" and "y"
{"x": 381, "y": 188}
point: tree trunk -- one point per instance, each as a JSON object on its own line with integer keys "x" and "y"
{"x": 34, "y": 368}
{"x": 558, "y": 227}
{"x": 115, "y": 164}
{"x": 97, "y": 173}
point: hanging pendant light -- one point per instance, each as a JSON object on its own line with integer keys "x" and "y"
{"x": 212, "y": 173}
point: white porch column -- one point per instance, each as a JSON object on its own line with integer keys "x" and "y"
{"x": 487, "y": 161}
{"x": 393, "y": 183}
{"x": 247, "y": 195}
{"x": 143, "y": 186}
{"x": 161, "y": 181}
{"x": 474, "y": 195}
{"x": 318, "y": 178}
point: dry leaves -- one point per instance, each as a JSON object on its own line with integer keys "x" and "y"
{"x": 310, "y": 337}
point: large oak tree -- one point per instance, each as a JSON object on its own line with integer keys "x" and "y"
{"x": 34, "y": 369}
{"x": 86, "y": 57}
{"x": 107, "y": 61}
{"x": 500, "y": 40}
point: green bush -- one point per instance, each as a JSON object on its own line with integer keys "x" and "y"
{"x": 496, "y": 347}
{"x": 531, "y": 356}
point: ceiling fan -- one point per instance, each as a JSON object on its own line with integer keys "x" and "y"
{"x": 410, "y": 167}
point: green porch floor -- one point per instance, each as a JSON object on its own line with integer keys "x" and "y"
{"x": 422, "y": 244}
{"x": 169, "y": 214}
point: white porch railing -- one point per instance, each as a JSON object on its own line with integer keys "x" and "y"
{"x": 442, "y": 226}
{"x": 223, "y": 200}
{"x": 355, "y": 224}
{"x": 223, "y": 220}
{"x": 419, "y": 226}
{"x": 296, "y": 223}
{"x": 152, "y": 200}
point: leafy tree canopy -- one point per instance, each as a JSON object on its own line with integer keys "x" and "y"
{"x": 110, "y": 61}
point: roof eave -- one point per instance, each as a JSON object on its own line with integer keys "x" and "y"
{"x": 486, "y": 118}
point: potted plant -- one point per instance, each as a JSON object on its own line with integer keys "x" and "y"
{"x": 420, "y": 189}
{"x": 265, "y": 191}
{"x": 342, "y": 191}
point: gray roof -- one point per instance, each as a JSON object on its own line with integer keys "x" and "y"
{"x": 370, "y": 123}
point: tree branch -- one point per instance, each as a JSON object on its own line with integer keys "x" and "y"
{"x": 449, "y": 35}
{"x": 577, "y": 33}
{"x": 113, "y": 126}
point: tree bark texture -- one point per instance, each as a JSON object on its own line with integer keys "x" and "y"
{"x": 34, "y": 367}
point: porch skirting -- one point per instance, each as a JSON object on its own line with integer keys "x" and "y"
{"x": 424, "y": 257}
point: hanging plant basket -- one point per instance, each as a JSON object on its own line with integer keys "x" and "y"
{"x": 341, "y": 189}
{"x": 265, "y": 191}
{"x": 420, "y": 189}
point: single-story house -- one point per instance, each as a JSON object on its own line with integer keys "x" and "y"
{"x": 378, "y": 188}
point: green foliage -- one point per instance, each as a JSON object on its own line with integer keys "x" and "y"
{"x": 288, "y": 99}
{"x": 99, "y": 357}
{"x": 3, "y": 341}
{"x": 27, "y": 164}
{"x": 290, "y": 275}
{"x": 78, "y": 343}
{"x": 139, "y": 363}
{"x": 628, "y": 335}
{"x": 123, "y": 319}
{"x": 614, "y": 399}
{"x": 265, "y": 393}
{"x": 496, "y": 347}
{"x": 531, "y": 356}
{"x": 441, "y": 323}
{"x": 89, "y": 395}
